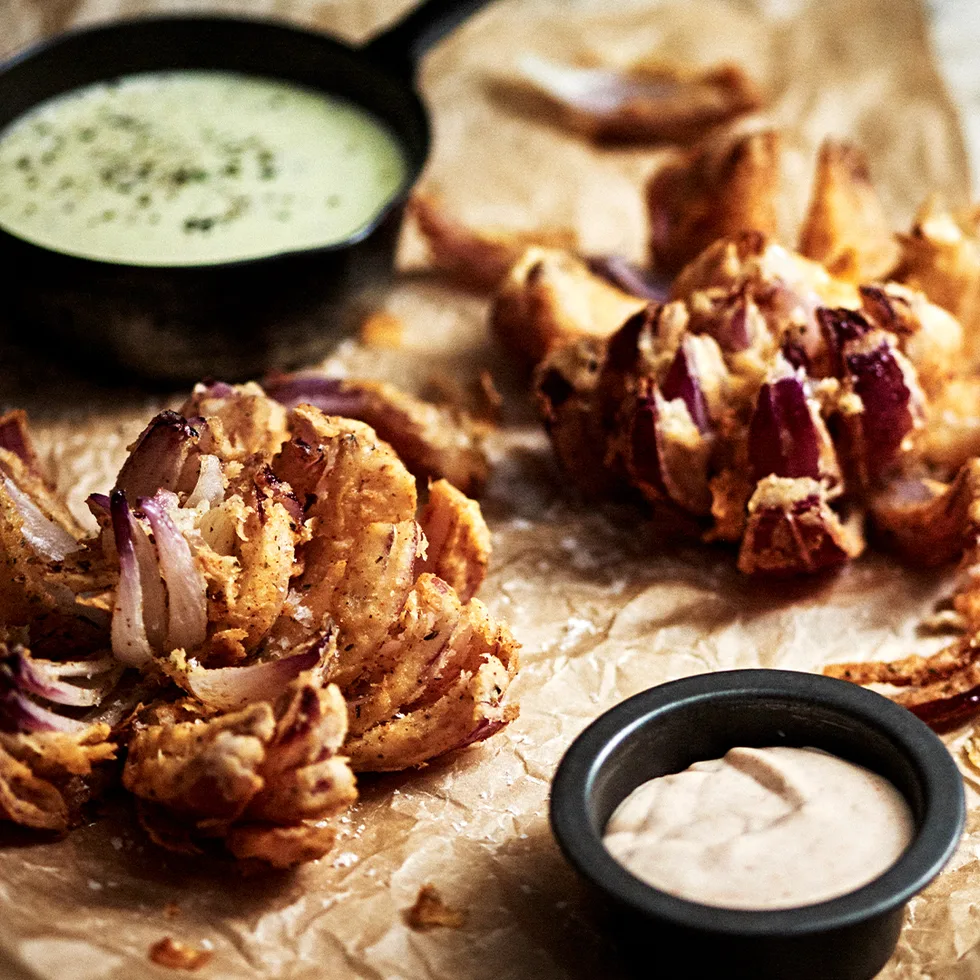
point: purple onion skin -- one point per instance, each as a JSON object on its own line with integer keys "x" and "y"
{"x": 796, "y": 355}
{"x": 31, "y": 679}
{"x": 783, "y": 439}
{"x": 201, "y": 682}
{"x": 266, "y": 478}
{"x": 330, "y": 395}
{"x": 483, "y": 731}
{"x": 14, "y": 438}
{"x": 887, "y": 417}
{"x": 157, "y": 459}
{"x": 121, "y": 530}
{"x": 840, "y": 326}
{"x": 187, "y": 622}
{"x": 727, "y": 322}
{"x": 218, "y": 389}
{"x": 681, "y": 382}
{"x": 98, "y": 505}
{"x": 630, "y": 278}
{"x": 735, "y": 335}
{"x": 818, "y": 549}
{"x": 645, "y": 461}
{"x": 18, "y": 713}
{"x": 130, "y": 646}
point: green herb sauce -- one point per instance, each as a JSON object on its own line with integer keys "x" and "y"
{"x": 194, "y": 167}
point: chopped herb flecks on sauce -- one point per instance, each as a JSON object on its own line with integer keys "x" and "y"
{"x": 186, "y": 167}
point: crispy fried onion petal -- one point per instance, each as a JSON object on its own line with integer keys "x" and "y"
{"x": 47, "y": 776}
{"x": 51, "y": 583}
{"x": 934, "y": 522}
{"x": 845, "y": 227}
{"x": 419, "y": 683}
{"x": 433, "y": 441}
{"x": 263, "y": 780}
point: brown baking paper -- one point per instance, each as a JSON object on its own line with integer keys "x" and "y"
{"x": 604, "y": 604}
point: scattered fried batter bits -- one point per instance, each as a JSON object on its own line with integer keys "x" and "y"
{"x": 176, "y": 955}
{"x": 650, "y": 102}
{"x": 430, "y": 912}
{"x": 264, "y": 610}
{"x": 971, "y": 750}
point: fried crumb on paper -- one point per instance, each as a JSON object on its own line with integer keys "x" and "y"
{"x": 382, "y": 329}
{"x": 171, "y": 910}
{"x": 430, "y": 912}
{"x": 490, "y": 400}
{"x": 177, "y": 955}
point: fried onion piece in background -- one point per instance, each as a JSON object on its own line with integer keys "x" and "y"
{"x": 845, "y": 228}
{"x": 769, "y": 403}
{"x": 476, "y": 259}
{"x": 943, "y": 689}
{"x": 550, "y": 298}
{"x": 483, "y": 260}
{"x": 434, "y": 441}
{"x": 723, "y": 186}
{"x": 941, "y": 257}
{"x": 935, "y": 522}
{"x": 648, "y": 102}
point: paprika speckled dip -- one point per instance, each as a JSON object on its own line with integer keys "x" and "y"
{"x": 665, "y": 730}
{"x": 273, "y": 305}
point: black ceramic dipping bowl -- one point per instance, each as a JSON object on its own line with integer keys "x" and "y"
{"x": 665, "y": 730}
{"x": 234, "y": 319}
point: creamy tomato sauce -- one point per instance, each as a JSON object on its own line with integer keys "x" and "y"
{"x": 190, "y": 167}
{"x": 762, "y": 829}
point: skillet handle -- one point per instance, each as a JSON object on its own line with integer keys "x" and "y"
{"x": 400, "y": 48}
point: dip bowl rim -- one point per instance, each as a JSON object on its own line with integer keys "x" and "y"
{"x": 931, "y": 848}
{"x": 23, "y": 58}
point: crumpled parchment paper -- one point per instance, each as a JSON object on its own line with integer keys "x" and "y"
{"x": 603, "y": 602}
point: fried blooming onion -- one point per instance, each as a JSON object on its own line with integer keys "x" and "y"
{"x": 263, "y": 612}
{"x": 779, "y": 400}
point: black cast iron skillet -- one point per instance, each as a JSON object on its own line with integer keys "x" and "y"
{"x": 236, "y": 319}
